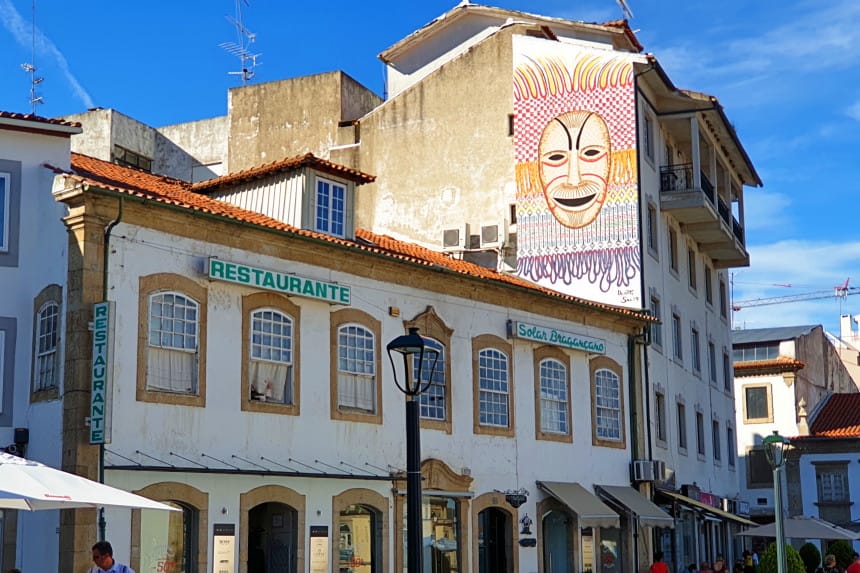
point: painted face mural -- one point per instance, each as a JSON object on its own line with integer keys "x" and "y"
{"x": 574, "y": 166}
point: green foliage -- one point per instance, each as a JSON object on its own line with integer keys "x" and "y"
{"x": 793, "y": 562}
{"x": 842, "y": 550}
{"x": 811, "y": 557}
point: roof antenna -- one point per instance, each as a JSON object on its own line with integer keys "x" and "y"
{"x": 241, "y": 49}
{"x": 628, "y": 13}
{"x": 30, "y": 68}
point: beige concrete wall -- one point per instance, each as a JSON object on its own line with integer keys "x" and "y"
{"x": 95, "y": 139}
{"x": 457, "y": 118}
{"x": 281, "y": 119}
{"x": 193, "y": 151}
{"x": 824, "y": 371}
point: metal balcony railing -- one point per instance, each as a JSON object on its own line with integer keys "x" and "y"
{"x": 676, "y": 178}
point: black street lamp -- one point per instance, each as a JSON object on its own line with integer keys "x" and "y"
{"x": 774, "y": 450}
{"x": 413, "y": 347}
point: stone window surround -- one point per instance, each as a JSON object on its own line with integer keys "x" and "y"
{"x": 769, "y": 403}
{"x": 338, "y": 319}
{"x": 605, "y": 363}
{"x": 51, "y": 293}
{"x": 431, "y": 325}
{"x": 542, "y": 353}
{"x": 482, "y": 342}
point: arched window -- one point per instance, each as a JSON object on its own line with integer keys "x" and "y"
{"x": 47, "y": 334}
{"x": 270, "y": 364}
{"x": 172, "y": 353}
{"x": 553, "y": 397}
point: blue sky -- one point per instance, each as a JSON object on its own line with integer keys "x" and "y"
{"x": 787, "y": 73}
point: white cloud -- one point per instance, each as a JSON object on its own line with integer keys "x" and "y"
{"x": 766, "y": 210}
{"x": 853, "y": 110}
{"x": 22, "y": 31}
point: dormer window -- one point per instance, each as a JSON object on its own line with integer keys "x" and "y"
{"x": 330, "y": 215}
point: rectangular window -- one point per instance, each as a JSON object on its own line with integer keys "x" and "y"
{"x": 648, "y": 137}
{"x": 730, "y": 447}
{"x": 712, "y": 361}
{"x": 715, "y": 436}
{"x": 724, "y": 299}
{"x": 607, "y": 393}
{"x": 700, "y": 433}
{"x": 47, "y": 330}
{"x": 709, "y": 285}
{"x": 834, "y": 500}
{"x": 756, "y": 351}
{"x": 660, "y": 415}
{"x": 757, "y": 404}
{"x": 4, "y": 211}
{"x": 682, "y": 426}
{"x": 656, "y": 327}
{"x": 270, "y": 365}
{"x": 652, "y": 227}
{"x": 356, "y": 366}
{"x": 759, "y": 472}
{"x": 673, "y": 249}
{"x": 676, "y": 337}
{"x": 553, "y": 396}
{"x": 441, "y": 517}
{"x": 330, "y": 208}
{"x": 691, "y": 265}
{"x": 695, "y": 350}
{"x": 129, "y": 158}
{"x": 727, "y": 372}
{"x": 432, "y": 400}
{"x": 173, "y": 343}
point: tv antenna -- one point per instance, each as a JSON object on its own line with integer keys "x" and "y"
{"x": 628, "y": 13}
{"x": 242, "y": 48}
{"x": 30, "y": 68}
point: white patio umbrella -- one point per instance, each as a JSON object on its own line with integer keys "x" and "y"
{"x": 29, "y": 485}
{"x": 803, "y": 528}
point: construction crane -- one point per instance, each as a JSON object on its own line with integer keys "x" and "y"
{"x": 839, "y": 291}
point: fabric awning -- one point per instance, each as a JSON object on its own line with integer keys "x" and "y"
{"x": 696, "y": 504}
{"x": 589, "y": 509}
{"x": 648, "y": 513}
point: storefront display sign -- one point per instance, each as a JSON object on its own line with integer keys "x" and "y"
{"x": 555, "y": 337}
{"x": 319, "y": 549}
{"x": 101, "y": 373}
{"x": 285, "y": 283}
{"x": 223, "y": 548}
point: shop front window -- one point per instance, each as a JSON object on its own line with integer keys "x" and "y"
{"x": 440, "y": 536}
{"x": 168, "y": 540}
{"x": 359, "y": 542}
{"x": 601, "y": 550}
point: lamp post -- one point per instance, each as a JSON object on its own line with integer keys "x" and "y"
{"x": 774, "y": 449}
{"x": 412, "y": 347}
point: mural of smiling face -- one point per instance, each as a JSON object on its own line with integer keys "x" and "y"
{"x": 574, "y": 156}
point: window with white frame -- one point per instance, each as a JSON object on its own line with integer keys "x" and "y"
{"x": 553, "y": 397}
{"x": 730, "y": 446}
{"x": 172, "y": 349}
{"x": 691, "y": 267}
{"x": 607, "y": 394}
{"x": 656, "y": 327}
{"x": 432, "y": 400}
{"x": 47, "y": 334}
{"x": 678, "y": 350}
{"x": 715, "y": 437}
{"x": 695, "y": 350}
{"x": 493, "y": 388}
{"x": 270, "y": 364}
{"x": 673, "y": 249}
{"x": 5, "y": 193}
{"x": 682, "y": 426}
{"x": 712, "y": 361}
{"x": 709, "y": 285}
{"x": 834, "y": 499}
{"x": 356, "y": 368}
{"x": 660, "y": 416}
{"x": 648, "y": 137}
{"x": 700, "y": 433}
{"x": 330, "y": 214}
{"x": 724, "y": 299}
{"x": 652, "y": 228}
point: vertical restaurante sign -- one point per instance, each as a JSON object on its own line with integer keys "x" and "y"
{"x": 279, "y": 282}
{"x": 557, "y": 337}
{"x": 101, "y": 373}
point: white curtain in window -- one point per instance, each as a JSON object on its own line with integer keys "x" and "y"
{"x": 171, "y": 370}
{"x": 271, "y": 381}
{"x": 356, "y": 391}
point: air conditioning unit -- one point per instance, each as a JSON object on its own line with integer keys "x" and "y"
{"x": 455, "y": 238}
{"x": 642, "y": 470}
{"x": 659, "y": 470}
{"x": 494, "y": 235}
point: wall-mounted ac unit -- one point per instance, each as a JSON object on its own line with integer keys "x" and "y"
{"x": 642, "y": 470}
{"x": 494, "y": 235}
{"x": 659, "y": 470}
{"x": 455, "y": 238}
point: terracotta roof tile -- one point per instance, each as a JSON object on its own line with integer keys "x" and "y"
{"x": 127, "y": 181}
{"x": 838, "y": 418}
{"x": 287, "y": 164}
{"x": 38, "y": 119}
{"x": 773, "y": 366}
{"x": 625, "y": 27}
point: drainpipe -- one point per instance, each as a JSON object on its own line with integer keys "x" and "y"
{"x": 105, "y": 258}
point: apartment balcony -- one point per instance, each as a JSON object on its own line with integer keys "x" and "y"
{"x": 703, "y": 214}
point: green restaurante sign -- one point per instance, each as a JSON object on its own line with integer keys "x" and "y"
{"x": 279, "y": 282}
{"x": 557, "y": 337}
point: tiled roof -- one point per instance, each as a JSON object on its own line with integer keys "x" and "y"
{"x": 133, "y": 182}
{"x": 838, "y": 418}
{"x": 38, "y": 119}
{"x": 773, "y": 366}
{"x": 287, "y": 164}
{"x": 625, "y": 27}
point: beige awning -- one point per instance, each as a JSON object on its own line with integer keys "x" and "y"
{"x": 588, "y": 508}
{"x": 647, "y": 512}
{"x": 703, "y": 506}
